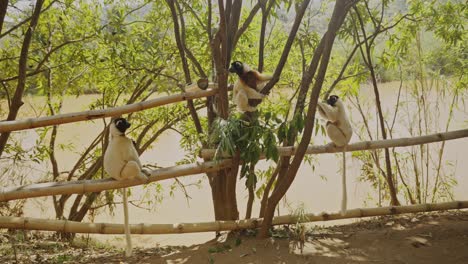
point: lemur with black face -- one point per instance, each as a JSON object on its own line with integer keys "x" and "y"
{"x": 339, "y": 130}
{"x": 121, "y": 162}
{"x": 247, "y": 86}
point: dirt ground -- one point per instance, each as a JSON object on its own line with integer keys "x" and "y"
{"x": 412, "y": 238}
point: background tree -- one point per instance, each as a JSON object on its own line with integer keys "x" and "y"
{"x": 124, "y": 53}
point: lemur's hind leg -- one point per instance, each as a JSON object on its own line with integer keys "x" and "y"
{"x": 131, "y": 170}
{"x": 336, "y": 134}
{"x": 242, "y": 102}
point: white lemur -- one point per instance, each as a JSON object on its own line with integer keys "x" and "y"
{"x": 247, "y": 86}
{"x": 339, "y": 130}
{"x": 121, "y": 162}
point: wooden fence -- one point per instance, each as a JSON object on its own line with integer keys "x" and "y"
{"x": 84, "y": 186}
{"x": 364, "y": 145}
{"x": 7, "y": 126}
{"x": 80, "y": 187}
{"x": 177, "y": 228}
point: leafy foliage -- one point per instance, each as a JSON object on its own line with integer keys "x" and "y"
{"x": 122, "y": 52}
{"x": 247, "y": 136}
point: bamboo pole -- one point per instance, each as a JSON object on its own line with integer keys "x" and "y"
{"x": 86, "y": 186}
{"x": 363, "y": 145}
{"x": 55, "y": 188}
{"x": 6, "y": 126}
{"x": 26, "y": 223}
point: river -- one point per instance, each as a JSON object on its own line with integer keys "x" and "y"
{"x": 317, "y": 191}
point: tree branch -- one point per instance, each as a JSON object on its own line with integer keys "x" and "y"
{"x": 181, "y": 46}
{"x": 246, "y": 23}
{"x": 24, "y": 21}
{"x": 287, "y": 48}
{"x": 16, "y": 101}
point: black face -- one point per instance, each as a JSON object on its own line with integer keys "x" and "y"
{"x": 237, "y": 67}
{"x": 332, "y": 100}
{"x": 121, "y": 124}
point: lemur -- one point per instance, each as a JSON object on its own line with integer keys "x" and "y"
{"x": 247, "y": 86}
{"x": 339, "y": 130}
{"x": 121, "y": 162}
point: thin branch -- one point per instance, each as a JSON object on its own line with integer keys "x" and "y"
{"x": 25, "y": 21}
{"x": 45, "y": 58}
{"x": 184, "y": 190}
{"x": 397, "y": 105}
{"x": 246, "y": 23}
{"x": 7, "y": 93}
{"x": 180, "y": 41}
{"x": 287, "y": 48}
{"x": 195, "y": 15}
{"x": 136, "y": 9}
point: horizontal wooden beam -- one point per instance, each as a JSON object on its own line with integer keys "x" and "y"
{"x": 27, "y": 223}
{"x": 6, "y": 126}
{"x": 363, "y": 145}
{"x": 86, "y": 186}
{"x": 79, "y": 187}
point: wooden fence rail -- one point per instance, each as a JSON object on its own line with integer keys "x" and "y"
{"x": 85, "y": 186}
{"x": 79, "y": 187}
{"x": 6, "y": 126}
{"x": 106, "y": 228}
{"x": 363, "y": 145}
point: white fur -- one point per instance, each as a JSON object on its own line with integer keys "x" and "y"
{"x": 242, "y": 93}
{"x": 339, "y": 130}
{"x": 121, "y": 162}
{"x": 121, "y": 159}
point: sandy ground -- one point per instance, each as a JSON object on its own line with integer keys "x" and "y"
{"x": 421, "y": 238}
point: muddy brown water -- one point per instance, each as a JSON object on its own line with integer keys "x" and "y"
{"x": 316, "y": 190}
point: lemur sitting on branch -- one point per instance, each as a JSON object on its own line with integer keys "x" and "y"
{"x": 339, "y": 130}
{"x": 121, "y": 162}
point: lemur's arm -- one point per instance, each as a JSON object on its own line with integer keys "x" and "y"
{"x": 261, "y": 77}
{"x": 250, "y": 92}
{"x": 328, "y": 112}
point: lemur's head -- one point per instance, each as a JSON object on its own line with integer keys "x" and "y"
{"x": 332, "y": 100}
{"x": 118, "y": 126}
{"x": 239, "y": 67}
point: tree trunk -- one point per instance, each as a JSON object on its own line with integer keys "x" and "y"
{"x": 286, "y": 178}
{"x": 266, "y": 192}
{"x": 3, "y": 10}
{"x": 223, "y": 185}
{"x": 388, "y": 164}
{"x": 251, "y": 187}
{"x": 16, "y": 101}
